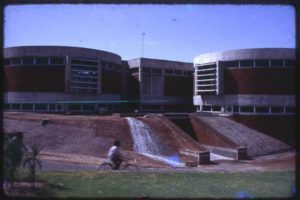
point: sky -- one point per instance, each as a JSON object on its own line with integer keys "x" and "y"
{"x": 170, "y": 32}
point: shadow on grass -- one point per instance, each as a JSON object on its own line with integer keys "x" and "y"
{"x": 48, "y": 190}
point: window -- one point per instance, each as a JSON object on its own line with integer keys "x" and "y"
{"x": 28, "y": 60}
{"x": 56, "y": 60}
{"x": 261, "y": 63}
{"x": 276, "y": 63}
{"x": 216, "y": 108}
{"x": 74, "y": 107}
{"x": 248, "y": 109}
{"x": 15, "y": 106}
{"x": 236, "y": 109}
{"x": 277, "y": 109}
{"x": 229, "y": 109}
{"x": 178, "y": 72}
{"x": 246, "y": 63}
{"x": 16, "y": 61}
{"x": 51, "y": 106}
{"x": 88, "y": 107}
{"x": 40, "y": 106}
{"x": 41, "y": 60}
{"x": 27, "y": 107}
{"x": 6, "y": 106}
{"x": 156, "y": 71}
{"x": 168, "y": 71}
{"x": 7, "y": 61}
{"x": 290, "y": 109}
{"x": 290, "y": 63}
{"x": 88, "y": 62}
{"x": 262, "y": 109}
{"x": 103, "y": 64}
{"x": 134, "y": 70}
{"x": 146, "y": 70}
{"x": 232, "y": 63}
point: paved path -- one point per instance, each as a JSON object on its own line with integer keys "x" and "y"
{"x": 277, "y": 162}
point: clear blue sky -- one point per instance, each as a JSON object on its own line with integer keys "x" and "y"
{"x": 172, "y": 32}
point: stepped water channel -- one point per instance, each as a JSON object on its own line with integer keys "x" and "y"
{"x": 147, "y": 143}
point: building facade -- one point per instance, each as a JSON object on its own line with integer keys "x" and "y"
{"x": 161, "y": 85}
{"x": 255, "y": 86}
{"x": 60, "y": 79}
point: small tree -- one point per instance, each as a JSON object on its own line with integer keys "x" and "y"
{"x": 13, "y": 153}
{"x": 32, "y": 161}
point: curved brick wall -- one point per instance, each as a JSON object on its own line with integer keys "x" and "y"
{"x": 278, "y": 81}
{"x": 34, "y": 78}
{"x": 280, "y": 127}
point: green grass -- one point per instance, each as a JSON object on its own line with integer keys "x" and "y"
{"x": 164, "y": 184}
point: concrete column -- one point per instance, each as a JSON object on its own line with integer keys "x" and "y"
{"x": 67, "y": 72}
{"x": 99, "y": 82}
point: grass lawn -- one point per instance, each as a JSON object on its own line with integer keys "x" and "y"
{"x": 164, "y": 184}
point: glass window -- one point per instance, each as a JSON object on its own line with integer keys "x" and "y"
{"x": 206, "y": 108}
{"x": 262, "y": 109}
{"x": 28, "y": 60}
{"x": 235, "y": 109}
{"x": 216, "y": 108}
{"x": 75, "y": 61}
{"x": 277, "y": 109}
{"x": 229, "y": 109}
{"x": 56, "y": 60}
{"x": 134, "y": 70}
{"x": 168, "y": 71}
{"x": 290, "y": 109}
{"x": 15, "y": 106}
{"x": 261, "y": 63}
{"x": 41, "y": 60}
{"x": 88, "y": 107}
{"x": 40, "y": 107}
{"x": 51, "y": 106}
{"x": 146, "y": 85}
{"x": 7, "y": 61}
{"x": 232, "y": 63}
{"x": 246, "y": 63}
{"x": 89, "y": 62}
{"x": 74, "y": 107}
{"x": 16, "y": 61}
{"x": 276, "y": 63}
{"x": 146, "y": 70}
{"x": 247, "y": 109}
{"x": 156, "y": 71}
{"x": 6, "y": 106}
{"x": 27, "y": 107}
{"x": 103, "y": 64}
{"x": 178, "y": 72}
{"x": 290, "y": 63}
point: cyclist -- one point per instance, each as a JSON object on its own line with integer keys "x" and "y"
{"x": 114, "y": 154}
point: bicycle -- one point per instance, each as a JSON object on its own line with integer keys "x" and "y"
{"x": 124, "y": 166}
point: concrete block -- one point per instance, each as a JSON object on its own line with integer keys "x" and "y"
{"x": 204, "y": 157}
{"x": 241, "y": 153}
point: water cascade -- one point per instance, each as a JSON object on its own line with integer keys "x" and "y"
{"x": 146, "y": 142}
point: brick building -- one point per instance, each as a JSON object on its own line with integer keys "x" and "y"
{"x": 255, "y": 86}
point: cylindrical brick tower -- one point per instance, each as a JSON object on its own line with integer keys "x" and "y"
{"x": 57, "y": 79}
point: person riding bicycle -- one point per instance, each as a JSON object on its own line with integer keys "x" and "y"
{"x": 114, "y": 154}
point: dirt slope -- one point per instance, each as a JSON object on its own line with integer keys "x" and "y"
{"x": 235, "y": 133}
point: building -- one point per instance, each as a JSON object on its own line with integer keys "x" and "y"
{"x": 62, "y": 79}
{"x": 78, "y": 80}
{"x": 161, "y": 85}
{"x": 255, "y": 86}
